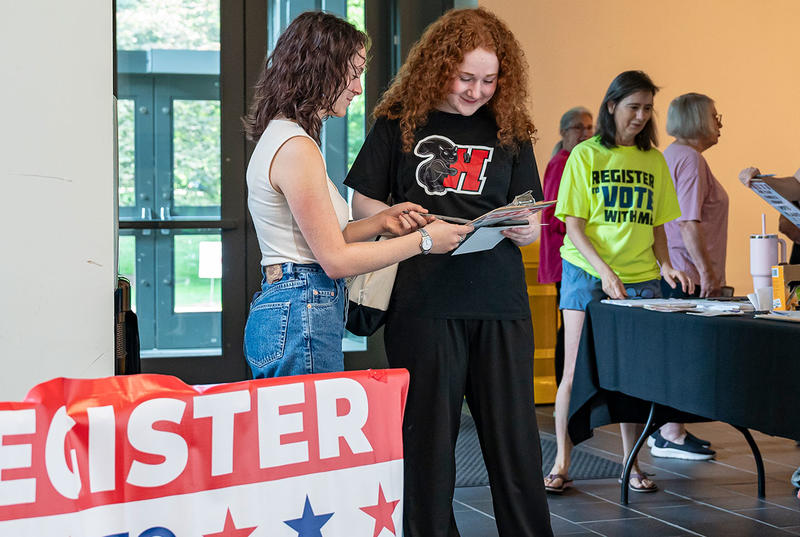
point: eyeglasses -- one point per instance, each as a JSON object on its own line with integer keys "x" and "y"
{"x": 589, "y": 128}
{"x": 644, "y": 292}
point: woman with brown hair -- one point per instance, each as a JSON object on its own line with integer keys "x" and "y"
{"x": 296, "y": 321}
{"x": 615, "y": 196}
{"x": 453, "y": 134}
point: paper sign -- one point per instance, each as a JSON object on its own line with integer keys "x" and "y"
{"x": 775, "y": 192}
{"x": 210, "y": 259}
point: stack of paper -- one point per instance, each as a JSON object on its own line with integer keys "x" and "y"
{"x": 791, "y": 316}
{"x": 695, "y": 306}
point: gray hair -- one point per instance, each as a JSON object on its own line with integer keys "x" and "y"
{"x": 689, "y": 116}
{"x": 568, "y": 117}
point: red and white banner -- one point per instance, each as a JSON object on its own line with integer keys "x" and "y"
{"x": 149, "y": 456}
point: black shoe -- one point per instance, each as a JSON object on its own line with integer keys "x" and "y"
{"x": 689, "y": 438}
{"x": 688, "y": 451}
{"x": 699, "y": 441}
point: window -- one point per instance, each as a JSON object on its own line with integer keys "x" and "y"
{"x": 169, "y": 140}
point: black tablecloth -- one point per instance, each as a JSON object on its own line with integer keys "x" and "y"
{"x": 739, "y": 370}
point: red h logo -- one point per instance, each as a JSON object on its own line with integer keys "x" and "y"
{"x": 470, "y": 166}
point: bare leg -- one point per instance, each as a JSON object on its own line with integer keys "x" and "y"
{"x": 674, "y": 432}
{"x": 630, "y": 432}
{"x": 573, "y": 326}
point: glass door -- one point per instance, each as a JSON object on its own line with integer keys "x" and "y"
{"x": 173, "y": 232}
{"x": 185, "y": 69}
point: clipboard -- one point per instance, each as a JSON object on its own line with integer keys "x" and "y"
{"x": 521, "y": 207}
{"x": 483, "y": 238}
{"x": 512, "y": 215}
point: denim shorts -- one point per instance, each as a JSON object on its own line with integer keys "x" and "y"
{"x": 578, "y": 288}
{"x": 296, "y": 324}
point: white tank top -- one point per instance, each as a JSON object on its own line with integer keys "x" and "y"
{"x": 279, "y": 237}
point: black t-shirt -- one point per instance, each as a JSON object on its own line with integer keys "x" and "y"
{"x": 456, "y": 168}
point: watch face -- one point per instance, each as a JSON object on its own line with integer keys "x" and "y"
{"x": 426, "y": 243}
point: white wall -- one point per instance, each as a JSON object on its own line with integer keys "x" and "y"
{"x": 57, "y": 219}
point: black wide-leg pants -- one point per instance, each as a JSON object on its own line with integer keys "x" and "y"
{"x": 491, "y": 363}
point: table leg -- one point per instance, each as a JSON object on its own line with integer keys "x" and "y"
{"x": 626, "y": 473}
{"x": 757, "y": 456}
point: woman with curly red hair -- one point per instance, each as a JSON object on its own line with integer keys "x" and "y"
{"x": 453, "y": 134}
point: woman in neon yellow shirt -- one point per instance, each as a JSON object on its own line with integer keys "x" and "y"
{"x": 615, "y": 196}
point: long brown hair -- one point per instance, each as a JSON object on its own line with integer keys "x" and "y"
{"x": 306, "y": 73}
{"x": 624, "y": 84}
{"x": 424, "y": 79}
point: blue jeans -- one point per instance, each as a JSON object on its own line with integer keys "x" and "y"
{"x": 296, "y": 324}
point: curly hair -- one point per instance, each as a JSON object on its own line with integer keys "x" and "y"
{"x": 306, "y": 73}
{"x": 424, "y": 80}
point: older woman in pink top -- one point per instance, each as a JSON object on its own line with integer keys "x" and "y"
{"x": 698, "y": 238}
{"x": 575, "y": 127}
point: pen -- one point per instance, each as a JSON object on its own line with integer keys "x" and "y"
{"x": 452, "y": 219}
{"x": 764, "y": 175}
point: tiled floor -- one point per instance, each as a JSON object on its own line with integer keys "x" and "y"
{"x": 714, "y": 498}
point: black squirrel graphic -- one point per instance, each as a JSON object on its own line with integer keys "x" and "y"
{"x": 441, "y": 153}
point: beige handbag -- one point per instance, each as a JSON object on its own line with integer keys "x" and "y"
{"x": 369, "y": 296}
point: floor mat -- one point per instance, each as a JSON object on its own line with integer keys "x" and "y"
{"x": 471, "y": 472}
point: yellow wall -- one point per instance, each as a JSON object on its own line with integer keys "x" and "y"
{"x": 743, "y": 54}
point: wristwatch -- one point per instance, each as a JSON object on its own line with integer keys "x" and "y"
{"x": 426, "y": 243}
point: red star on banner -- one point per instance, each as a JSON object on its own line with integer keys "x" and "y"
{"x": 382, "y": 513}
{"x": 230, "y": 530}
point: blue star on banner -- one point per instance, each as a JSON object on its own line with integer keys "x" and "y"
{"x": 309, "y": 525}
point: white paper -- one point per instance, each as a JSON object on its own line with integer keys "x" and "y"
{"x": 793, "y": 316}
{"x": 714, "y": 313}
{"x": 642, "y": 302}
{"x": 764, "y": 297}
{"x": 484, "y": 238}
{"x": 684, "y": 304}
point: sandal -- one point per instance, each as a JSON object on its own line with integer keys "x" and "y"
{"x": 641, "y": 487}
{"x": 565, "y": 483}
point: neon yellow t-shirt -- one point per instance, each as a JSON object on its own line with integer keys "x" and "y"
{"x": 622, "y": 193}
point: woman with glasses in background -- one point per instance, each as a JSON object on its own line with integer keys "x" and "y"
{"x": 575, "y": 127}
{"x": 615, "y": 197}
